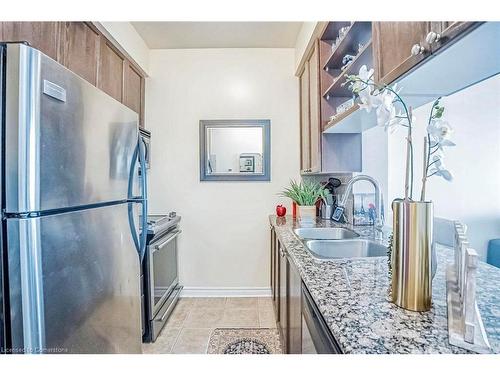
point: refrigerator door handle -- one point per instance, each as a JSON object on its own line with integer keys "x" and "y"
{"x": 133, "y": 230}
{"x": 139, "y": 240}
{"x": 131, "y": 175}
{"x": 144, "y": 199}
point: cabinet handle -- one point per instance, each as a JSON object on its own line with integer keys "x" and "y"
{"x": 432, "y": 37}
{"x": 282, "y": 253}
{"x": 417, "y": 49}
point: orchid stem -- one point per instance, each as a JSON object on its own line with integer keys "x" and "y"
{"x": 409, "y": 145}
{"x": 424, "y": 169}
{"x": 428, "y": 153}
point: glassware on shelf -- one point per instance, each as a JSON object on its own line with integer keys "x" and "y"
{"x": 346, "y": 60}
{"x": 345, "y": 106}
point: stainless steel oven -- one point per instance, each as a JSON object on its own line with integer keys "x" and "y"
{"x": 163, "y": 268}
{"x": 162, "y": 287}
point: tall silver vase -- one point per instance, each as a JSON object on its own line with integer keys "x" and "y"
{"x": 412, "y": 254}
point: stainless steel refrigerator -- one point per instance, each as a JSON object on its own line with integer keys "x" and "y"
{"x": 71, "y": 195}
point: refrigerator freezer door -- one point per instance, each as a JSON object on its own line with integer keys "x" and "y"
{"x": 68, "y": 144}
{"x": 74, "y": 282}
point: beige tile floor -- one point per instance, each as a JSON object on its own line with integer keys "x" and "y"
{"x": 188, "y": 329}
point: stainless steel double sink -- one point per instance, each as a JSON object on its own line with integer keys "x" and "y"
{"x": 334, "y": 243}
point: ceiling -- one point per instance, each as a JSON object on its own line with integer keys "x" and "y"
{"x": 159, "y": 35}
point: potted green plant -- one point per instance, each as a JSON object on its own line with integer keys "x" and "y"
{"x": 305, "y": 194}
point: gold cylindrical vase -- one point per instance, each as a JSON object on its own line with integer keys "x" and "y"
{"x": 411, "y": 254}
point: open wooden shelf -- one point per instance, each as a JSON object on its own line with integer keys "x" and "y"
{"x": 359, "y": 32}
{"x": 354, "y": 120}
{"x": 332, "y": 29}
{"x": 363, "y": 58}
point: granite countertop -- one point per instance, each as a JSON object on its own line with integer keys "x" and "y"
{"x": 353, "y": 297}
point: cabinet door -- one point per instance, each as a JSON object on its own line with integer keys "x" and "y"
{"x": 305, "y": 135}
{"x": 110, "y": 78}
{"x": 80, "y": 49}
{"x": 134, "y": 91}
{"x": 314, "y": 110}
{"x": 445, "y": 32}
{"x": 277, "y": 273}
{"x": 393, "y": 43}
{"x": 273, "y": 263}
{"x": 283, "y": 310}
{"x": 294, "y": 293}
{"x": 43, "y": 36}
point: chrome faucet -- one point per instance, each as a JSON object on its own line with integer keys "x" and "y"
{"x": 339, "y": 211}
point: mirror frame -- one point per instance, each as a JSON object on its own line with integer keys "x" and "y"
{"x": 266, "y": 150}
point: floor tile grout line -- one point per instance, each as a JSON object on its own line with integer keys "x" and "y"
{"x": 179, "y": 333}
{"x": 175, "y": 341}
{"x": 180, "y": 329}
{"x": 208, "y": 340}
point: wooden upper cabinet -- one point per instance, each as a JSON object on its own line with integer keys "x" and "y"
{"x": 310, "y": 114}
{"x": 442, "y": 33}
{"x": 43, "y": 36}
{"x": 85, "y": 51}
{"x": 134, "y": 91}
{"x": 398, "y": 46}
{"x": 80, "y": 49}
{"x": 111, "y": 66}
{"x": 314, "y": 110}
{"x": 305, "y": 135}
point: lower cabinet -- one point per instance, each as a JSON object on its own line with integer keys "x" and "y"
{"x": 283, "y": 299}
{"x": 294, "y": 302}
{"x": 302, "y": 328}
{"x": 286, "y": 293}
{"x": 275, "y": 272}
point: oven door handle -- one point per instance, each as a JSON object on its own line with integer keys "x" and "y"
{"x": 167, "y": 240}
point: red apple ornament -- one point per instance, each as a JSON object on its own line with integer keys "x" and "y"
{"x": 280, "y": 210}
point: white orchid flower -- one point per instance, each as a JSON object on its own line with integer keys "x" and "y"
{"x": 439, "y": 146}
{"x": 398, "y": 120}
{"x": 438, "y": 169}
{"x": 440, "y": 130}
{"x": 368, "y": 100}
{"x": 386, "y": 112}
{"x": 385, "y": 115}
{"x": 363, "y": 75}
{"x": 446, "y": 174}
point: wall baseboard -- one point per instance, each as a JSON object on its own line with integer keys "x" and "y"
{"x": 225, "y": 292}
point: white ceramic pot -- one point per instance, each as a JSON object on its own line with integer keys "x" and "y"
{"x": 307, "y": 213}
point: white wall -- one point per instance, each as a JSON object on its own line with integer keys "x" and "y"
{"x": 474, "y": 195}
{"x": 130, "y": 40}
{"x": 374, "y": 164}
{"x": 305, "y": 34}
{"x": 225, "y": 239}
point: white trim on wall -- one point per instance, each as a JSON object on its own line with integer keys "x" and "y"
{"x": 225, "y": 292}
